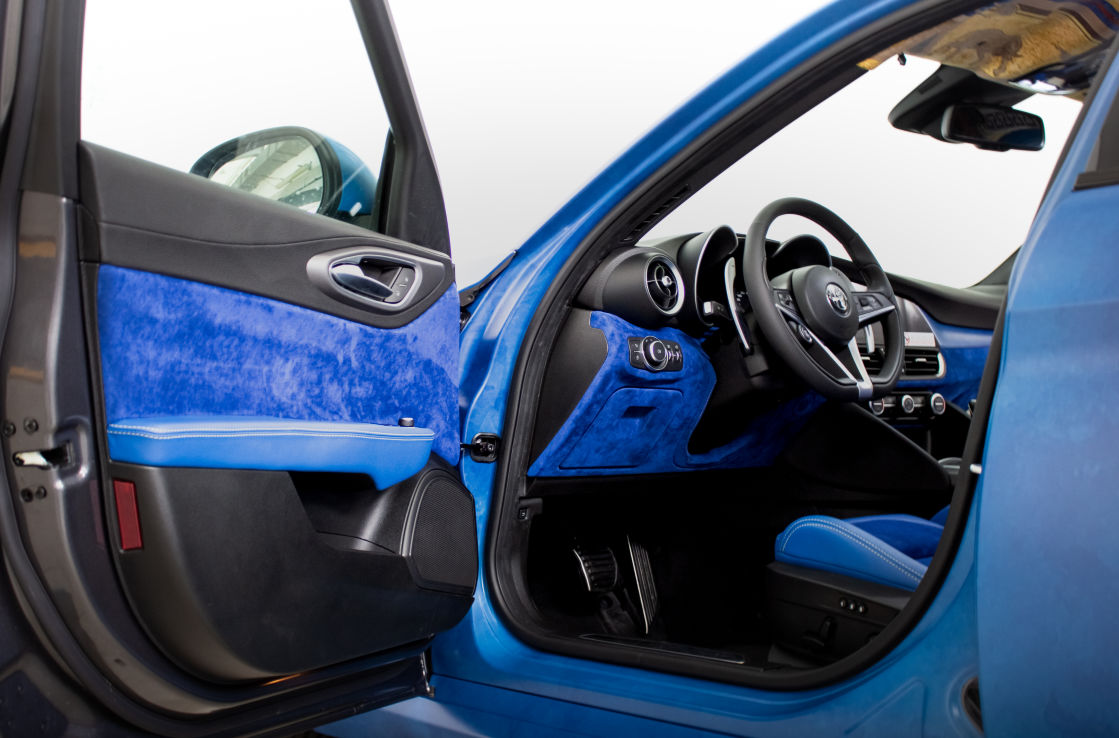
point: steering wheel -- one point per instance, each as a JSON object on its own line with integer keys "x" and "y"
{"x": 810, "y": 315}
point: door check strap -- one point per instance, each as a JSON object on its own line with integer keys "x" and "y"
{"x": 389, "y": 454}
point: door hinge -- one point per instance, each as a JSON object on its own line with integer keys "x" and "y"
{"x": 483, "y": 447}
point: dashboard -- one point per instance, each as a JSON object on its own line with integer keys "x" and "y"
{"x": 660, "y": 366}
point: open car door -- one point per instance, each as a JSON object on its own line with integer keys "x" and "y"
{"x": 230, "y": 426}
{"x": 1047, "y": 551}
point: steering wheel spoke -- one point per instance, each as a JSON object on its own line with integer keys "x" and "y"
{"x": 786, "y": 303}
{"x": 873, "y": 305}
{"x": 846, "y": 366}
{"x": 854, "y": 362}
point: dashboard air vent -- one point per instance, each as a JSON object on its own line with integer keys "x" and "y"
{"x": 662, "y": 280}
{"x": 921, "y": 362}
{"x": 873, "y": 361}
{"x": 641, "y": 228}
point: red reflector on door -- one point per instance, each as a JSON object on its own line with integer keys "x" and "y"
{"x": 128, "y": 515}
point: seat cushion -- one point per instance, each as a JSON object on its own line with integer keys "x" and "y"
{"x": 915, "y": 537}
{"x": 889, "y": 549}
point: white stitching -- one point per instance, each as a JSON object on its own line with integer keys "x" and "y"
{"x": 884, "y": 555}
{"x": 880, "y": 553}
{"x": 249, "y": 427}
{"x": 260, "y": 424}
{"x": 855, "y": 535}
{"x": 828, "y": 525}
{"x": 179, "y": 435}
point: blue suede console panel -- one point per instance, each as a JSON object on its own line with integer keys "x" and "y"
{"x": 176, "y": 348}
{"x": 387, "y": 453}
{"x": 965, "y": 355}
{"x": 889, "y": 549}
{"x": 634, "y": 421}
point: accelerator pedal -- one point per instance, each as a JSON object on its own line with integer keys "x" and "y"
{"x": 646, "y": 585}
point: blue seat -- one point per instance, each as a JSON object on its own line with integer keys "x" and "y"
{"x": 894, "y": 550}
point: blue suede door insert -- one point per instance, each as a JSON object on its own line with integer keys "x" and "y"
{"x": 176, "y": 348}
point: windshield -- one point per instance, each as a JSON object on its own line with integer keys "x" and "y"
{"x": 942, "y": 212}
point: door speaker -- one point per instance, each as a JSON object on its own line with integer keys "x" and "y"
{"x": 440, "y": 535}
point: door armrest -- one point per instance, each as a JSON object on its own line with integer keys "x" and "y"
{"x": 387, "y": 453}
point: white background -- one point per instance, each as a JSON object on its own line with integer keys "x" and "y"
{"x": 525, "y": 102}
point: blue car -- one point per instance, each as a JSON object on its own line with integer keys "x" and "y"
{"x": 846, "y": 467}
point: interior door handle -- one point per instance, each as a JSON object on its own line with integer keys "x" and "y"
{"x": 379, "y": 279}
{"x": 353, "y": 278}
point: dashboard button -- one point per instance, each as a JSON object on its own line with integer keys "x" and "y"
{"x": 655, "y": 353}
{"x": 908, "y": 404}
{"x": 937, "y": 403}
{"x": 802, "y": 332}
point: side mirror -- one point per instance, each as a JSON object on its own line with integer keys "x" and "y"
{"x": 992, "y": 127}
{"x": 295, "y": 166}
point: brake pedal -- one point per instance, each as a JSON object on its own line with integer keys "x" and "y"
{"x": 599, "y": 567}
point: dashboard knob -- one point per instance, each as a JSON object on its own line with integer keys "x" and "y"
{"x": 877, "y": 406}
{"x": 908, "y": 404}
{"x": 937, "y": 403}
{"x": 655, "y": 353}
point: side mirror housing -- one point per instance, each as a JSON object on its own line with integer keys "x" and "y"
{"x": 992, "y": 127}
{"x": 295, "y": 166}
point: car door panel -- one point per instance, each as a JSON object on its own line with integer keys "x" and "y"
{"x": 264, "y": 456}
{"x": 293, "y": 562}
{"x": 1049, "y": 469}
{"x": 60, "y": 544}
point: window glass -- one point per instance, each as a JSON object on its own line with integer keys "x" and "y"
{"x": 169, "y": 82}
{"x": 943, "y": 212}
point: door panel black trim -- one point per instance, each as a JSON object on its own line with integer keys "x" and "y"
{"x": 235, "y": 563}
{"x": 144, "y": 216}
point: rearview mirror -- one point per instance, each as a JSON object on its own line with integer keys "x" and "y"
{"x": 992, "y": 127}
{"x": 297, "y": 167}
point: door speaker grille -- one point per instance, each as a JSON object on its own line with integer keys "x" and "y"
{"x": 444, "y": 545}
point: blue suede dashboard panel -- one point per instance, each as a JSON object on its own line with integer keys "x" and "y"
{"x": 634, "y": 421}
{"x": 965, "y": 355}
{"x": 762, "y": 438}
{"x": 387, "y": 453}
{"x": 174, "y": 347}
